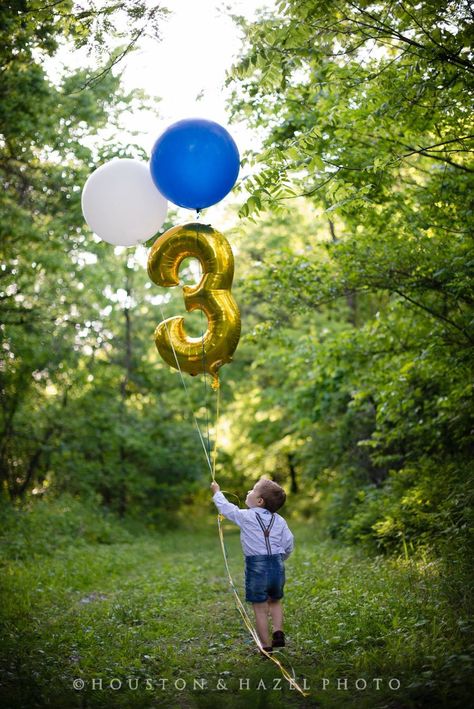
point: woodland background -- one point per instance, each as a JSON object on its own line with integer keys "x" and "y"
{"x": 352, "y": 382}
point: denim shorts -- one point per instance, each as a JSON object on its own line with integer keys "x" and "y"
{"x": 264, "y": 577}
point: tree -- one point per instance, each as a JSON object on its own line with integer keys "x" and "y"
{"x": 84, "y": 407}
{"x": 368, "y": 114}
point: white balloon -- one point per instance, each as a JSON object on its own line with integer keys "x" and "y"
{"x": 121, "y": 204}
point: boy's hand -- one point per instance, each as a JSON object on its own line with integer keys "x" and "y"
{"x": 215, "y": 488}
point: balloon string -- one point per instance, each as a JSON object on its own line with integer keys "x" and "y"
{"x": 240, "y": 607}
{"x": 206, "y": 408}
{"x": 186, "y": 390}
{"x": 214, "y": 456}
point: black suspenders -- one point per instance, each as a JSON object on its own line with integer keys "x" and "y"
{"x": 266, "y": 530}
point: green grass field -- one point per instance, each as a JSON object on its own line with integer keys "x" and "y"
{"x": 145, "y": 619}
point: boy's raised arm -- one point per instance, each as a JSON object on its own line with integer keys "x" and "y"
{"x": 226, "y": 508}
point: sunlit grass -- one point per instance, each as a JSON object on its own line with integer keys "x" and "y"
{"x": 109, "y": 602}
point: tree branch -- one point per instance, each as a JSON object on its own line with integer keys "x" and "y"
{"x": 434, "y": 313}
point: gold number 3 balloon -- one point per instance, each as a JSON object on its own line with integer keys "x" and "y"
{"x": 212, "y": 295}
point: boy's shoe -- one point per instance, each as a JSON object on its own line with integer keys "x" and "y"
{"x": 267, "y": 649}
{"x": 278, "y": 639}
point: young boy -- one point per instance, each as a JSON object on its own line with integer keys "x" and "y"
{"x": 266, "y": 542}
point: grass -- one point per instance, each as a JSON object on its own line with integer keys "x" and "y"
{"x": 147, "y": 613}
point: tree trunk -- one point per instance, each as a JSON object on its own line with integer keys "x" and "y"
{"x": 292, "y": 469}
{"x": 19, "y": 490}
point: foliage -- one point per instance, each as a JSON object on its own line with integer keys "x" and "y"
{"x": 85, "y": 406}
{"x": 351, "y": 384}
{"x": 45, "y": 527}
{"x": 354, "y": 97}
{"x": 363, "y": 367}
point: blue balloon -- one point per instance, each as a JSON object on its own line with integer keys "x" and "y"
{"x": 195, "y": 163}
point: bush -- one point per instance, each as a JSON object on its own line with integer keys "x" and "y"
{"x": 426, "y": 505}
{"x": 43, "y": 525}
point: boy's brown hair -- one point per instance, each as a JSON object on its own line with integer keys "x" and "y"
{"x": 272, "y": 493}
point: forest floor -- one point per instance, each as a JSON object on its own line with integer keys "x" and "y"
{"x": 96, "y": 615}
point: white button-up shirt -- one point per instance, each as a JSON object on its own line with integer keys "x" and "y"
{"x": 252, "y": 537}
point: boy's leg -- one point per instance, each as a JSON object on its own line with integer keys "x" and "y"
{"x": 276, "y": 612}
{"x": 261, "y": 621}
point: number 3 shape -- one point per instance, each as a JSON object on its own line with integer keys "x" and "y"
{"x": 212, "y": 295}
